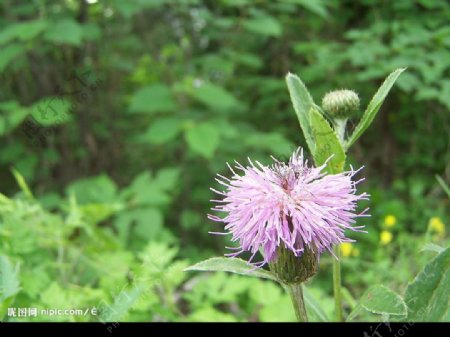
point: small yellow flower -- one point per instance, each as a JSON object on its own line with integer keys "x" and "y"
{"x": 385, "y": 237}
{"x": 436, "y": 225}
{"x": 346, "y": 249}
{"x": 390, "y": 221}
{"x": 355, "y": 252}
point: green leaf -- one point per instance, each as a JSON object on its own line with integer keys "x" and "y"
{"x": 22, "y": 183}
{"x": 374, "y": 106}
{"x": 23, "y": 31}
{"x": 264, "y": 25}
{"x": 149, "y": 222}
{"x": 52, "y": 111}
{"x": 214, "y": 97}
{"x": 66, "y": 31}
{"x": 326, "y": 143}
{"x": 9, "y": 54}
{"x": 381, "y": 300}
{"x": 302, "y": 102}
{"x": 428, "y": 295}
{"x": 123, "y": 303}
{"x": 167, "y": 178}
{"x": 153, "y": 98}
{"x": 203, "y": 139}
{"x": 231, "y": 265}
{"x": 443, "y": 185}
{"x": 9, "y": 278}
{"x": 432, "y": 247}
{"x": 13, "y": 115}
{"x": 313, "y": 306}
{"x": 316, "y": 6}
{"x": 163, "y": 130}
{"x": 99, "y": 189}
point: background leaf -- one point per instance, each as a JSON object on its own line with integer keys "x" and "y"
{"x": 203, "y": 139}
{"x": 66, "y": 31}
{"x": 153, "y": 98}
{"x": 214, "y": 96}
{"x": 264, "y": 25}
{"x": 9, "y": 278}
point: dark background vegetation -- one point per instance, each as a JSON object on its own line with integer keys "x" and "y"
{"x": 118, "y": 114}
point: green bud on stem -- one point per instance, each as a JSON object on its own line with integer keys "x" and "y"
{"x": 341, "y": 104}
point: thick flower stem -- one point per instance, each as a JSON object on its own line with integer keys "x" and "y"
{"x": 337, "y": 285}
{"x": 296, "y": 292}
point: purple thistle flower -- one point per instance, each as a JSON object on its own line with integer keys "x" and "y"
{"x": 292, "y": 205}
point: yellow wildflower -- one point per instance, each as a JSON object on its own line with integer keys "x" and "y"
{"x": 390, "y": 221}
{"x": 346, "y": 249}
{"x": 385, "y": 237}
{"x": 436, "y": 225}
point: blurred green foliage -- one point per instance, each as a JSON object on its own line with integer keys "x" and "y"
{"x": 118, "y": 114}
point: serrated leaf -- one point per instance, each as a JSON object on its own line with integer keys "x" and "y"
{"x": 123, "y": 303}
{"x": 374, "y": 106}
{"x": 428, "y": 295}
{"x": 98, "y": 189}
{"x": 9, "y": 278}
{"x": 302, "y": 102}
{"x": 231, "y": 265}
{"x": 381, "y": 300}
{"x": 326, "y": 143}
{"x": 203, "y": 139}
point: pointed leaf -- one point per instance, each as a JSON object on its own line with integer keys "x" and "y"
{"x": 231, "y": 265}
{"x": 203, "y": 139}
{"x": 374, "y": 106}
{"x": 22, "y": 183}
{"x": 326, "y": 143}
{"x": 302, "y": 102}
{"x": 443, "y": 185}
{"x": 214, "y": 96}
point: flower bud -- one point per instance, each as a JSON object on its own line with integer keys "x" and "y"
{"x": 294, "y": 269}
{"x": 341, "y": 103}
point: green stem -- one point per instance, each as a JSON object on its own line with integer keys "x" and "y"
{"x": 337, "y": 285}
{"x": 339, "y": 127}
{"x": 296, "y": 292}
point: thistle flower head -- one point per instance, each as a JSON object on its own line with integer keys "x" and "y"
{"x": 287, "y": 206}
{"x": 341, "y": 103}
